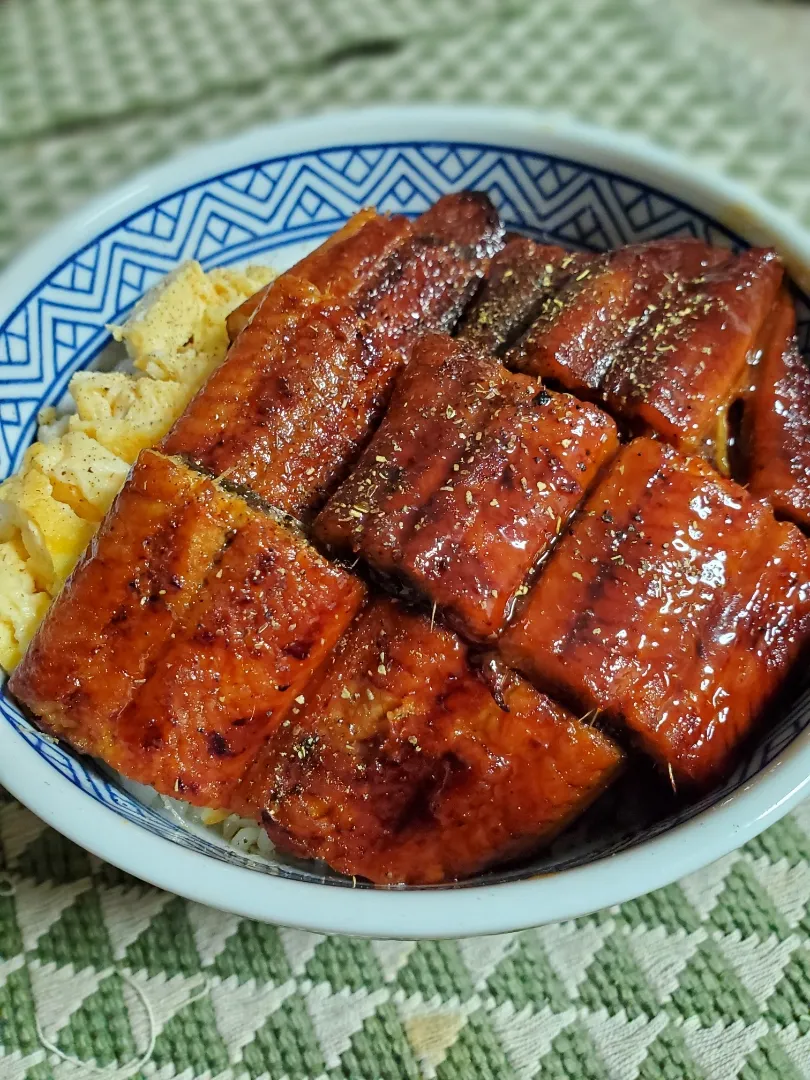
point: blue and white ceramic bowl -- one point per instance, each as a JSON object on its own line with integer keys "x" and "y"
{"x": 269, "y": 196}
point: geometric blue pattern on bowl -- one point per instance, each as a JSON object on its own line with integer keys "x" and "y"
{"x": 255, "y": 213}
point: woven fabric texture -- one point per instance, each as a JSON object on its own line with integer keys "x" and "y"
{"x": 102, "y": 976}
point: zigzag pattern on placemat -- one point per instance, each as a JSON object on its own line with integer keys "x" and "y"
{"x": 702, "y": 980}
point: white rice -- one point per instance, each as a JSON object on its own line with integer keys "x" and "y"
{"x": 242, "y": 834}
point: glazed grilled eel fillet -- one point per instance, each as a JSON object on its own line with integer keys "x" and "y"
{"x": 305, "y": 380}
{"x": 593, "y": 305}
{"x": 184, "y": 634}
{"x": 676, "y": 605}
{"x": 659, "y": 333}
{"x": 521, "y": 279}
{"x": 777, "y": 420}
{"x": 339, "y": 264}
{"x": 444, "y": 394}
{"x": 401, "y": 767}
{"x": 468, "y": 481}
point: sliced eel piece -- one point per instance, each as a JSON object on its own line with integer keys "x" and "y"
{"x": 777, "y": 420}
{"x": 370, "y": 252}
{"x": 119, "y": 607}
{"x": 682, "y": 369}
{"x": 521, "y": 278}
{"x": 402, "y": 768}
{"x": 474, "y": 547}
{"x": 676, "y": 604}
{"x": 268, "y": 615}
{"x": 439, "y": 402}
{"x": 600, "y": 301}
{"x": 338, "y": 264}
{"x": 289, "y": 407}
{"x": 427, "y": 282}
{"x": 303, "y": 384}
{"x": 214, "y": 416}
{"x": 184, "y": 635}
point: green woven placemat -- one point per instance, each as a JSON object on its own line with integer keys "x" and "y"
{"x": 708, "y": 979}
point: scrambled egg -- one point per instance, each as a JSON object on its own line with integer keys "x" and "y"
{"x": 51, "y": 508}
{"x": 177, "y": 331}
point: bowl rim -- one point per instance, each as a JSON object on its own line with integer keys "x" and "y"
{"x": 442, "y": 911}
